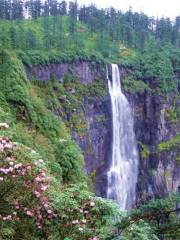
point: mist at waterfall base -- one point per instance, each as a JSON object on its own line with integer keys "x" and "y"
{"x": 123, "y": 171}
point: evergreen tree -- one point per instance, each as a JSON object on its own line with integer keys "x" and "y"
{"x": 7, "y": 9}
{"x": 17, "y": 9}
{"x": 53, "y": 7}
{"x": 30, "y": 40}
{"x": 2, "y": 9}
{"x": 13, "y": 37}
{"x": 73, "y": 17}
{"x": 34, "y": 8}
{"x": 62, "y": 9}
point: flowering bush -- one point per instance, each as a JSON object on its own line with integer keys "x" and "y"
{"x": 32, "y": 201}
{"x": 81, "y": 215}
{"x": 23, "y": 184}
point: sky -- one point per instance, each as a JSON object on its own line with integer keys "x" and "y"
{"x": 156, "y": 8}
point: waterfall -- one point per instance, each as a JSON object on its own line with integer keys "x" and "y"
{"x": 123, "y": 171}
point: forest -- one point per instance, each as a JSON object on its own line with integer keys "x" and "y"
{"x": 44, "y": 192}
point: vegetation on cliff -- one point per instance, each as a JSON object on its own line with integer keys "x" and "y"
{"x": 44, "y": 193}
{"x": 39, "y": 163}
{"x": 57, "y": 33}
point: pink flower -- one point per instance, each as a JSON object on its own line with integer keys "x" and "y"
{"x": 29, "y": 213}
{"x": 41, "y": 161}
{"x": 1, "y": 178}
{"x": 49, "y": 211}
{"x": 19, "y": 165}
{"x": 92, "y": 204}
{"x": 8, "y": 217}
{"x": 4, "y": 170}
{"x": 1, "y": 148}
{"x": 38, "y": 179}
{"x": 84, "y": 221}
{"x": 11, "y": 169}
{"x": 43, "y": 174}
{"x": 39, "y": 216}
{"x": 29, "y": 168}
{"x": 37, "y": 193}
{"x": 94, "y": 238}
{"x": 4, "y": 125}
{"x": 23, "y": 173}
{"x": 75, "y": 221}
{"x": 9, "y": 159}
{"x": 44, "y": 187}
{"x": 46, "y": 205}
{"x": 11, "y": 163}
{"x": 8, "y": 145}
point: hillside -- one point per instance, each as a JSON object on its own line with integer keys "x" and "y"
{"x": 56, "y": 121}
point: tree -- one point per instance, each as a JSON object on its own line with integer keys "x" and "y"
{"x": 17, "y": 9}
{"x": 7, "y": 9}
{"x": 53, "y": 7}
{"x": 46, "y": 9}
{"x": 30, "y": 40}
{"x": 34, "y": 8}
{"x": 73, "y": 17}
{"x": 13, "y": 37}
{"x": 2, "y": 9}
{"x": 63, "y": 8}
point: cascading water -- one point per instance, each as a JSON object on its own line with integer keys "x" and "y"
{"x": 122, "y": 175}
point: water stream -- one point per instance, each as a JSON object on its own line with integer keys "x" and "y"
{"x": 122, "y": 175}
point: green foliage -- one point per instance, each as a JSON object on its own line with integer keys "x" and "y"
{"x": 67, "y": 99}
{"x": 34, "y": 124}
{"x": 36, "y": 206}
{"x": 44, "y": 135}
{"x": 135, "y": 86}
{"x": 12, "y": 78}
{"x": 157, "y": 68}
{"x": 171, "y": 115}
{"x": 155, "y": 64}
{"x": 104, "y": 37}
{"x": 158, "y": 218}
{"x": 70, "y": 160}
{"x": 144, "y": 151}
{"x": 165, "y": 146}
{"x": 83, "y": 215}
{"x": 139, "y": 231}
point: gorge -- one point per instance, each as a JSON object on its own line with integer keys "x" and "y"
{"x": 89, "y": 123}
{"x": 159, "y": 172}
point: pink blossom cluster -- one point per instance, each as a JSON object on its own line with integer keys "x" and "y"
{"x": 4, "y": 125}
{"x": 85, "y": 217}
{"x": 94, "y": 238}
{"x": 5, "y": 144}
{"x": 9, "y": 217}
{"x": 33, "y": 179}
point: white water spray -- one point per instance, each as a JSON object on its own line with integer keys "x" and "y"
{"x": 122, "y": 175}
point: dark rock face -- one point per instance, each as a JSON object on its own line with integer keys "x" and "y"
{"x": 96, "y": 142}
{"x": 96, "y": 139}
{"x": 86, "y": 71}
{"x": 159, "y": 172}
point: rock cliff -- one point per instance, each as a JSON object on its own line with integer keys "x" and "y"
{"x": 156, "y": 126}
